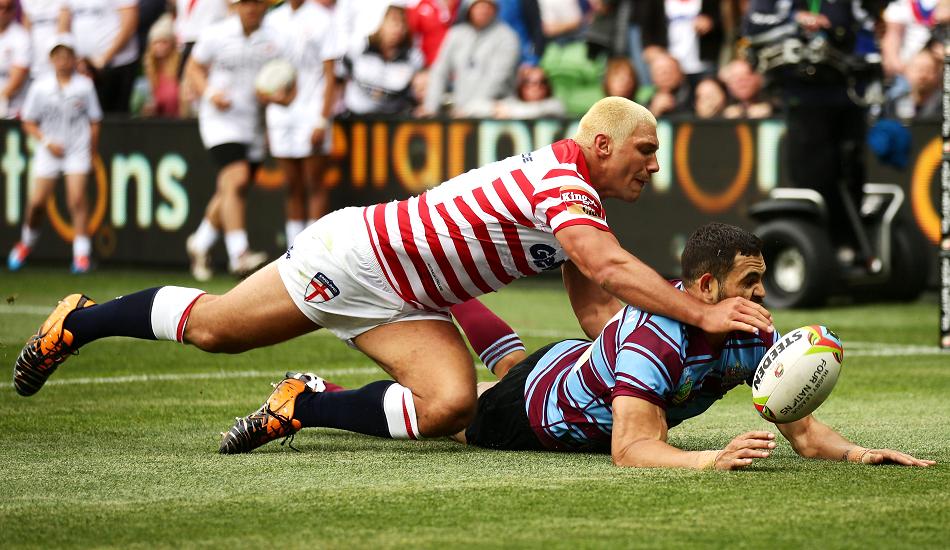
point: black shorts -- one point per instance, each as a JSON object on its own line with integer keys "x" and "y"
{"x": 226, "y": 153}
{"x": 501, "y": 421}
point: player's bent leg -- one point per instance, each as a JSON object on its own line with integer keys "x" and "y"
{"x": 481, "y": 388}
{"x": 232, "y": 183}
{"x": 496, "y": 343}
{"x": 29, "y": 232}
{"x": 439, "y": 385}
{"x": 257, "y": 312}
{"x": 433, "y": 394}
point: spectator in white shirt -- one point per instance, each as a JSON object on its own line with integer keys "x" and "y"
{"x": 379, "y": 69}
{"x": 223, "y": 66}
{"x": 14, "y": 60}
{"x": 299, "y": 134}
{"x": 106, "y": 44}
{"x": 62, "y": 114}
{"x": 41, "y": 18}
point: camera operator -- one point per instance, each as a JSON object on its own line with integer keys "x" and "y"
{"x": 826, "y": 122}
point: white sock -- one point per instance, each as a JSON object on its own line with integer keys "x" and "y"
{"x": 236, "y": 243}
{"x": 205, "y": 236}
{"x": 29, "y": 236}
{"x": 400, "y": 413}
{"x": 170, "y": 309}
{"x": 293, "y": 228}
{"x": 82, "y": 246}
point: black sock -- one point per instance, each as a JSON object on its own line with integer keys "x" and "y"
{"x": 125, "y": 316}
{"x": 358, "y": 411}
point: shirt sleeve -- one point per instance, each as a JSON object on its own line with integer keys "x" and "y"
{"x": 649, "y": 363}
{"x": 565, "y": 199}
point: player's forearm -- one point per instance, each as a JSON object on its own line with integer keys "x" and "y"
{"x": 653, "y": 453}
{"x": 94, "y": 129}
{"x": 819, "y": 441}
{"x": 33, "y": 130}
{"x": 198, "y": 75}
{"x": 592, "y": 306}
{"x": 635, "y": 283}
{"x": 329, "y": 90}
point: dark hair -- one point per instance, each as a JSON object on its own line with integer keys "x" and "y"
{"x": 374, "y": 39}
{"x": 712, "y": 249}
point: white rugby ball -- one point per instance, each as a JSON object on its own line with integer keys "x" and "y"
{"x": 275, "y": 75}
{"x": 797, "y": 374}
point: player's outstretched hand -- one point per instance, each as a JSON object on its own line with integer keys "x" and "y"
{"x": 887, "y": 456}
{"x": 741, "y": 451}
{"x": 736, "y": 314}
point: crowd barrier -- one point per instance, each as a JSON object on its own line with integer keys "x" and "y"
{"x": 152, "y": 179}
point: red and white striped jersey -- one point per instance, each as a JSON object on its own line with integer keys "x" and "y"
{"x": 483, "y": 229}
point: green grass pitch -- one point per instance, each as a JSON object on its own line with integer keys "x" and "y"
{"x": 120, "y": 450}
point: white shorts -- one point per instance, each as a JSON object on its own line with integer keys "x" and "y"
{"x": 47, "y": 166}
{"x": 332, "y": 274}
{"x": 293, "y": 141}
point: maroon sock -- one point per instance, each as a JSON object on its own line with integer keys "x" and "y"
{"x": 489, "y": 335}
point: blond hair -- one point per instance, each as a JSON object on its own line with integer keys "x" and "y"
{"x": 615, "y": 117}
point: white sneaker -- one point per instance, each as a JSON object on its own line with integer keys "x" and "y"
{"x": 200, "y": 261}
{"x": 248, "y": 262}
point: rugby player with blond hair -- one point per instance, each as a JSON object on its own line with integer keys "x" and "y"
{"x": 383, "y": 277}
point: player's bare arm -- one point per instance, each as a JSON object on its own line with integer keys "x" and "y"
{"x": 810, "y": 438}
{"x": 592, "y": 305}
{"x": 639, "y": 440}
{"x": 95, "y": 128}
{"x": 198, "y": 76}
{"x": 599, "y": 257}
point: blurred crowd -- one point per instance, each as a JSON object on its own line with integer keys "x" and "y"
{"x": 484, "y": 58}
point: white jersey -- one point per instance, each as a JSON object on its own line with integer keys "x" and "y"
{"x": 193, "y": 16}
{"x": 44, "y": 24}
{"x": 917, "y": 18}
{"x": 683, "y": 38}
{"x": 308, "y": 32}
{"x": 96, "y": 23}
{"x": 233, "y": 60}
{"x": 481, "y": 230}
{"x": 14, "y": 53}
{"x": 63, "y": 113}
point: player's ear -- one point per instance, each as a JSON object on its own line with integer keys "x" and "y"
{"x": 602, "y": 145}
{"x": 708, "y": 288}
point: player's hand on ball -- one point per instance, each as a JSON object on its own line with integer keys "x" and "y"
{"x": 741, "y": 451}
{"x": 736, "y": 314}
{"x": 886, "y": 456}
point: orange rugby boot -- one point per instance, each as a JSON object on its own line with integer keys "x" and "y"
{"x": 46, "y": 351}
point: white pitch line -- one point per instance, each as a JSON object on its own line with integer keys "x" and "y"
{"x": 132, "y": 378}
{"x": 330, "y": 373}
{"x": 852, "y": 348}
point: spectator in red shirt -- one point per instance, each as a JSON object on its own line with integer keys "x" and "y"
{"x": 429, "y": 21}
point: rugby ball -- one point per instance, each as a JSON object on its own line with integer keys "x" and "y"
{"x": 275, "y": 75}
{"x": 797, "y": 374}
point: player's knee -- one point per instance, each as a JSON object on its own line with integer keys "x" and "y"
{"x": 448, "y": 415}
{"x": 212, "y": 338}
